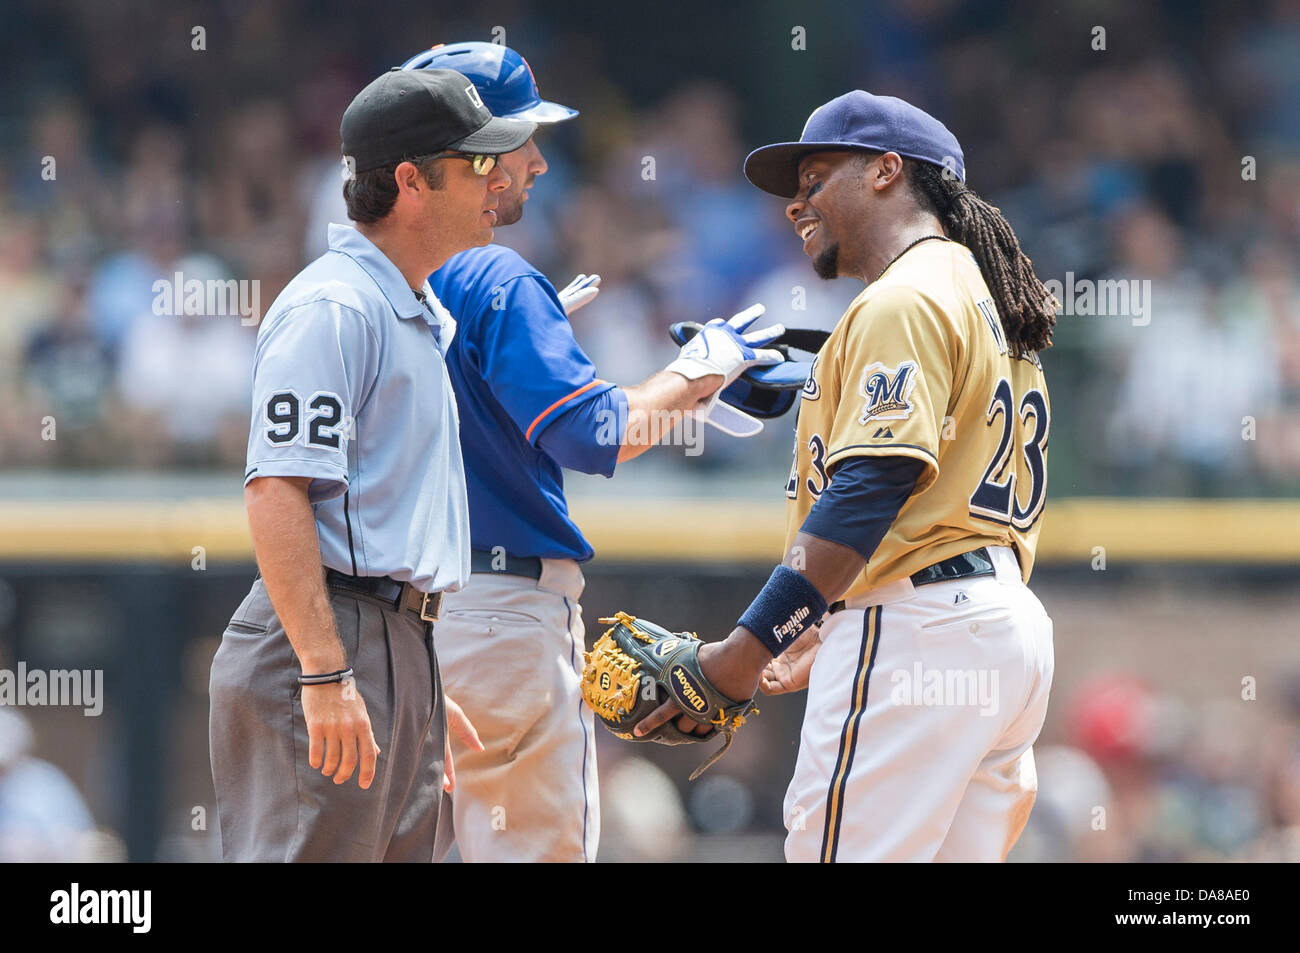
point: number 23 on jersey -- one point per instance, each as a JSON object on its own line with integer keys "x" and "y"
{"x": 1018, "y": 470}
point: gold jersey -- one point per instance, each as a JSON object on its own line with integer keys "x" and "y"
{"x": 919, "y": 366}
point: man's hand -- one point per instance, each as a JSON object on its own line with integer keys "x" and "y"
{"x": 458, "y": 722}
{"x": 724, "y": 348}
{"x": 338, "y": 727}
{"x": 788, "y": 672}
{"x": 733, "y": 666}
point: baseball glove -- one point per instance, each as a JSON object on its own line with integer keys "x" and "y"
{"x": 636, "y": 666}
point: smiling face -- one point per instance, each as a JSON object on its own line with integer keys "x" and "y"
{"x": 830, "y": 209}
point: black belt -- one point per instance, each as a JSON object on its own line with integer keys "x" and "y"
{"x": 400, "y": 596}
{"x": 975, "y": 563}
{"x": 482, "y": 560}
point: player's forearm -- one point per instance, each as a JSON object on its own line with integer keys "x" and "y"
{"x": 657, "y": 404}
{"x": 288, "y": 555}
{"x": 831, "y": 567}
{"x": 843, "y": 529}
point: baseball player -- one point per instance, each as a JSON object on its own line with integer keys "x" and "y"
{"x": 511, "y": 642}
{"x": 914, "y": 502}
{"x": 356, "y": 499}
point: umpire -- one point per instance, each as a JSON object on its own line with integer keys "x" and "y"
{"x": 356, "y": 499}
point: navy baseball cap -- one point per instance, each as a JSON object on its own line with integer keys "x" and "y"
{"x": 856, "y": 120}
{"x": 503, "y": 77}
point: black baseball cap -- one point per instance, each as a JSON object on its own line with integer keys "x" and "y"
{"x": 407, "y": 113}
{"x": 857, "y": 120}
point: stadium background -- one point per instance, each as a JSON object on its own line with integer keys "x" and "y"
{"x": 1122, "y": 163}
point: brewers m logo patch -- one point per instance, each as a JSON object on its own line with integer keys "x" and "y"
{"x": 888, "y": 392}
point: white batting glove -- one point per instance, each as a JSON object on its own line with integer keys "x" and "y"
{"x": 581, "y": 290}
{"x": 723, "y": 348}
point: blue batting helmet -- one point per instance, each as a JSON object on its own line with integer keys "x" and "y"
{"x": 503, "y": 78}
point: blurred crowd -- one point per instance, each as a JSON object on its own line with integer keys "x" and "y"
{"x": 43, "y": 818}
{"x": 1171, "y": 156}
{"x": 1151, "y": 776}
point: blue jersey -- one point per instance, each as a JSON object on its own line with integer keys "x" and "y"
{"x": 515, "y": 367}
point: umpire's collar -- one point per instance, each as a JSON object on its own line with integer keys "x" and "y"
{"x": 346, "y": 240}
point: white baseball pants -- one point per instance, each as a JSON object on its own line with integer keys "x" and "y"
{"x": 510, "y": 651}
{"x": 923, "y": 706}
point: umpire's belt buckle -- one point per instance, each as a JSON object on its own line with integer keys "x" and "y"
{"x": 430, "y": 606}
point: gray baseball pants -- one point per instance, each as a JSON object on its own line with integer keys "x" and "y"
{"x": 272, "y": 805}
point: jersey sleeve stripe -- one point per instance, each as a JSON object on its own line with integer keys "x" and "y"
{"x": 883, "y": 450}
{"x": 528, "y": 434}
{"x": 316, "y": 469}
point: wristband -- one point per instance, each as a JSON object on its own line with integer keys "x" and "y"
{"x": 329, "y": 678}
{"x": 785, "y": 607}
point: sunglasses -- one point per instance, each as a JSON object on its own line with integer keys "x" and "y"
{"x": 482, "y": 164}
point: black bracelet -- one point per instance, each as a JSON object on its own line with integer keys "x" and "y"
{"x": 341, "y": 675}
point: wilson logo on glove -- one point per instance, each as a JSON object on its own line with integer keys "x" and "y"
{"x": 636, "y": 666}
{"x": 685, "y": 690}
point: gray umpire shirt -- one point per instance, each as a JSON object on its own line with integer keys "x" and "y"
{"x": 350, "y": 389}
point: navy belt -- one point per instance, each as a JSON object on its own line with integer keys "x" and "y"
{"x": 482, "y": 560}
{"x": 399, "y": 596}
{"x": 975, "y": 563}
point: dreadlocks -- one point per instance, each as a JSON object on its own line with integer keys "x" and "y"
{"x": 1026, "y": 307}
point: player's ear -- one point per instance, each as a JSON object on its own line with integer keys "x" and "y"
{"x": 886, "y": 170}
